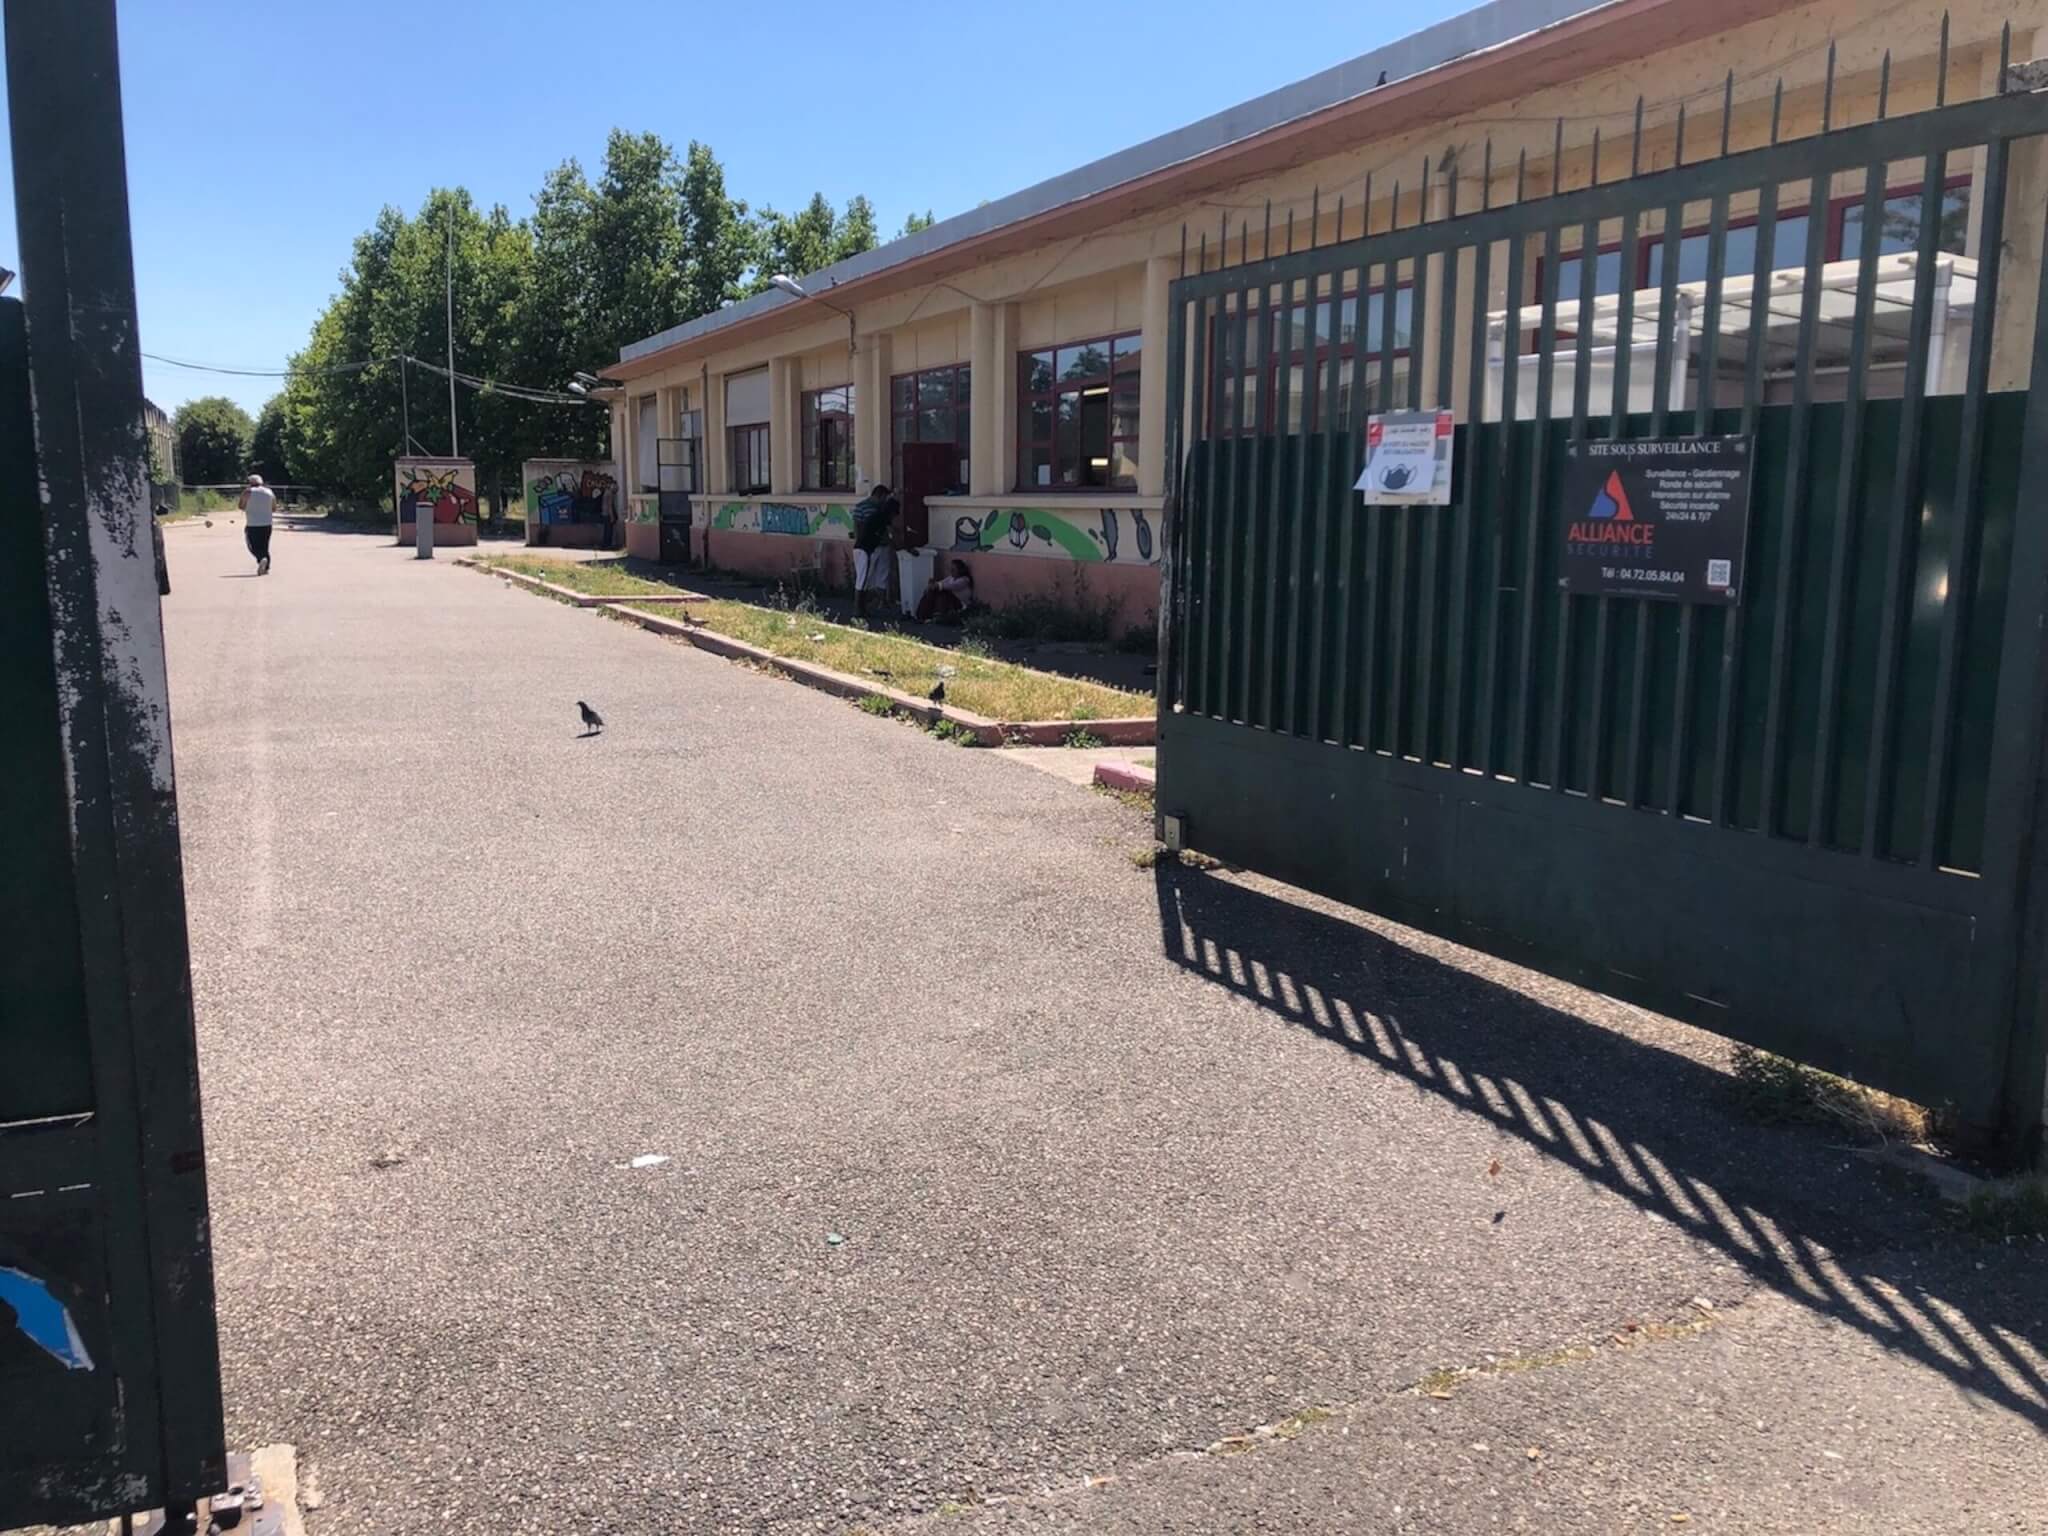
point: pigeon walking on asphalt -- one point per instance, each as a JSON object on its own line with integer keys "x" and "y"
{"x": 938, "y": 693}
{"x": 593, "y": 722}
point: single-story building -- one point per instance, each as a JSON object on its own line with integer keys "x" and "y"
{"x": 1007, "y": 364}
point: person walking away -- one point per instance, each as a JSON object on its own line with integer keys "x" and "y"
{"x": 949, "y": 597}
{"x": 871, "y": 546}
{"x": 258, "y": 501}
{"x": 156, "y": 538}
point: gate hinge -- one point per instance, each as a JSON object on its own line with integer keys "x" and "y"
{"x": 2023, "y": 79}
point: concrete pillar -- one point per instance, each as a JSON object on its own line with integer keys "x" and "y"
{"x": 1156, "y": 317}
{"x": 985, "y": 473}
{"x": 995, "y": 394}
{"x": 783, "y": 378}
{"x": 871, "y": 368}
{"x": 717, "y": 465}
{"x": 2019, "y": 279}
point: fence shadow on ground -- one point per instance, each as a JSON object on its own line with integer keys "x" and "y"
{"x": 1650, "y": 1125}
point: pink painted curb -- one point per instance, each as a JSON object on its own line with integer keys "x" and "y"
{"x": 1126, "y": 776}
{"x": 580, "y": 599}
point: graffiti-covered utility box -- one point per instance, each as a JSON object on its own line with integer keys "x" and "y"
{"x": 571, "y": 503}
{"x": 445, "y": 489}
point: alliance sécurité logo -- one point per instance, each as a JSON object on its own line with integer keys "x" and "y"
{"x": 1612, "y": 520}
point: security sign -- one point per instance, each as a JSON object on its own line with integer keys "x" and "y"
{"x": 1659, "y": 517}
{"x": 1408, "y": 459}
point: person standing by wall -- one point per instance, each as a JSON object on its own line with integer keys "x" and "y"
{"x": 258, "y": 501}
{"x": 873, "y": 559}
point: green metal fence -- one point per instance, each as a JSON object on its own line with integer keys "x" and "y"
{"x": 1805, "y": 818}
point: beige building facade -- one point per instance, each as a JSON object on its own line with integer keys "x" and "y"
{"x": 1030, "y": 337}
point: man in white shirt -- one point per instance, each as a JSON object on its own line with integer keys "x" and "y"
{"x": 257, "y": 501}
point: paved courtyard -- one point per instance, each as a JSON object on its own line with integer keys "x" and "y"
{"x": 763, "y": 1117}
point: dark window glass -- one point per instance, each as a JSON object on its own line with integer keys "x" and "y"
{"x": 1074, "y": 418}
{"x": 931, "y": 407}
{"x": 827, "y": 442}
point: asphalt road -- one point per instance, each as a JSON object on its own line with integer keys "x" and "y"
{"x": 990, "y": 1164}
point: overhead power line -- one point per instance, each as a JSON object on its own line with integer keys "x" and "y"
{"x": 531, "y": 394}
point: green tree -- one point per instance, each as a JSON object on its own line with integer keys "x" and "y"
{"x": 813, "y": 239}
{"x": 213, "y": 440}
{"x": 915, "y": 223}
{"x": 719, "y": 242}
{"x": 267, "y": 455}
{"x": 636, "y": 243}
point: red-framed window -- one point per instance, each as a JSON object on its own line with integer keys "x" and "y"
{"x": 827, "y": 448}
{"x": 933, "y": 405}
{"x": 747, "y": 448}
{"x": 1077, "y": 415}
{"x": 1311, "y": 335}
{"x": 1843, "y": 241}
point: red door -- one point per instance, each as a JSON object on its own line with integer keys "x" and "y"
{"x": 929, "y": 469}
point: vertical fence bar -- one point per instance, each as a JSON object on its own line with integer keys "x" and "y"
{"x": 1848, "y": 513}
{"x": 1251, "y": 555}
{"x": 1278, "y": 515}
{"x": 1327, "y": 492}
{"x": 1546, "y": 384}
{"x": 1618, "y": 413}
{"x": 1969, "y": 511}
{"x": 1233, "y": 572}
{"x": 1433, "y": 546}
{"x": 1902, "y": 552}
{"x": 1702, "y": 426}
{"x": 1386, "y": 580}
{"x": 1660, "y": 421}
{"x": 1792, "y": 506}
{"x": 1582, "y": 392}
{"x": 1469, "y": 472}
{"x": 1172, "y": 521}
{"x": 1303, "y": 565}
{"x": 1201, "y": 644}
{"x": 1504, "y": 498}
{"x": 1722, "y": 811}
{"x": 1347, "y": 532}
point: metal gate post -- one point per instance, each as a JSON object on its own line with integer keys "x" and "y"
{"x": 2018, "y": 791}
{"x": 112, "y": 714}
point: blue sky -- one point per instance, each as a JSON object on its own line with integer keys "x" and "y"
{"x": 263, "y": 137}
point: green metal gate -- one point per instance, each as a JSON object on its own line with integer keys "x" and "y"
{"x": 1804, "y": 819}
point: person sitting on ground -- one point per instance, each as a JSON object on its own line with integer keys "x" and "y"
{"x": 872, "y": 560}
{"x": 949, "y": 597}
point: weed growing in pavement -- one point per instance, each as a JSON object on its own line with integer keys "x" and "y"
{"x": 955, "y": 732}
{"x": 974, "y": 645}
{"x": 1082, "y": 740}
{"x": 1148, "y": 858}
{"x": 875, "y": 704}
{"x": 1130, "y": 799}
{"x": 1779, "y": 1091}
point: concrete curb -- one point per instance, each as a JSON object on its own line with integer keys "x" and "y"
{"x": 990, "y": 733}
{"x": 1128, "y": 777}
{"x": 580, "y": 599}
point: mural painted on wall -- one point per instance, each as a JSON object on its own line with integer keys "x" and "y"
{"x": 565, "y": 491}
{"x": 446, "y": 486}
{"x": 1096, "y": 535}
{"x": 811, "y": 522}
{"x": 1092, "y": 535}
